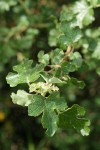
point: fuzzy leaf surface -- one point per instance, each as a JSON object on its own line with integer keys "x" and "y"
{"x": 21, "y": 98}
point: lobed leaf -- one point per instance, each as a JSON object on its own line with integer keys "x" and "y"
{"x": 68, "y": 34}
{"x": 43, "y": 58}
{"x": 72, "y": 118}
{"x": 84, "y": 13}
{"x": 25, "y": 73}
{"x": 47, "y": 107}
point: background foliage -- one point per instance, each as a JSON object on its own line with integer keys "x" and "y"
{"x": 26, "y": 28}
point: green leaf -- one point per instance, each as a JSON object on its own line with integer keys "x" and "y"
{"x": 78, "y": 83}
{"x": 52, "y": 79}
{"x": 76, "y": 59}
{"x": 68, "y": 67}
{"x": 56, "y": 80}
{"x": 21, "y": 98}
{"x": 47, "y": 107}
{"x": 25, "y": 73}
{"x": 66, "y": 14}
{"x": 68, "y": 34}
{"x": 49, "y": 121}
{"x": 84, "y": 13}
{"x": 45, "y": 76}
{"x": 43, "y": 58}
{"x": 58, "y": 72}
{"x": 56, "y": 102}
{"x": 74, "y": 63}
{"x": 37, "y": 106}
{"x": 56, "y": 56}
{"x": 72, "y": 118}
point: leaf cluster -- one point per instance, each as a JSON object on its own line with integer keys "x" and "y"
{"x": 55, "y": 69}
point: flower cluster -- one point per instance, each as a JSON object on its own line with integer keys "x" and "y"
{"x": 43, "y": 88}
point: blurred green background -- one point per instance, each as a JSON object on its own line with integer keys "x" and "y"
{"x": 25, "y": 29}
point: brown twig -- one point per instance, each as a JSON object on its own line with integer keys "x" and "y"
{"x": 69, "y": 50}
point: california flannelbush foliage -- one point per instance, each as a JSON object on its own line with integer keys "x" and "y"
{"x": 54, "y": 49}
